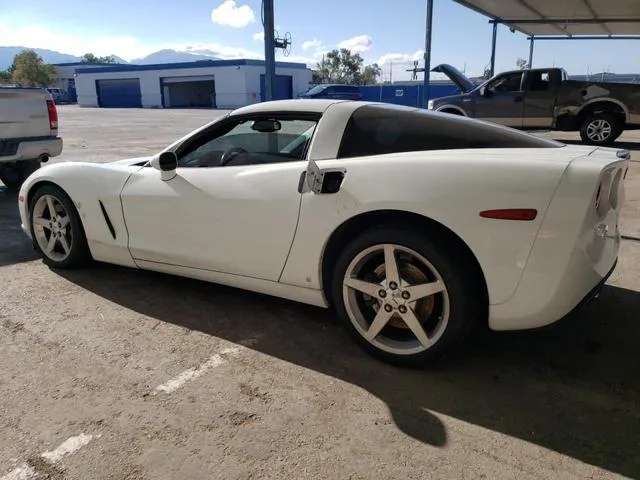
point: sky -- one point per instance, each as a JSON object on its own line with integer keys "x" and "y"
{"x": 389, "y": 33}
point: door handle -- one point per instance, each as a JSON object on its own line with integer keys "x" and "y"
{"x": 518, "y": 99}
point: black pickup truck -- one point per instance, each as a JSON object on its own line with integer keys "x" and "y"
{"x": 546, "y": 99}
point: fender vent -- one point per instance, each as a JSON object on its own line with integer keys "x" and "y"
{"x": 107, "y": 219}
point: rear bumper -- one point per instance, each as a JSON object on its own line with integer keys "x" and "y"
{"x": 32, "y": 149}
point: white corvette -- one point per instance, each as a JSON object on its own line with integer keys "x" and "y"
{"x": 413, "y": 225}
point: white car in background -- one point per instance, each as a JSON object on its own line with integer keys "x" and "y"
{"x": 414, "y": 226}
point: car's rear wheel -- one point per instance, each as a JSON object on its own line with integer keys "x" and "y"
{"x": 405, "y": 297}
{"x": 56, "y": 228}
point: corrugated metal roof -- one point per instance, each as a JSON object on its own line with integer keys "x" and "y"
{"x": 563, "y": 17}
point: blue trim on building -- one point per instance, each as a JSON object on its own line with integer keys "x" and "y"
{"x": 181, "y": 65}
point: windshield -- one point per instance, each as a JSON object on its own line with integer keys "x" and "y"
{"x": 316, "y": 89}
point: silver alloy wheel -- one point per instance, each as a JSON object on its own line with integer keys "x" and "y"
{"x": 396, "y": 299}
{"x": 599, "y": 130}
{"x": 52, "y": 228}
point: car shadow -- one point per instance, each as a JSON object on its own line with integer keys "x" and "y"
{"x": 15, "y": 247}
{"x": 573, "y": 387}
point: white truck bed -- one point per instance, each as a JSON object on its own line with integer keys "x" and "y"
{"x": 28, "y": 132}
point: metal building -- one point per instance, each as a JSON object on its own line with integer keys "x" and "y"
{"x": 212, "y": 83}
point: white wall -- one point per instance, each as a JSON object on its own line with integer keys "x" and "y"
{"x": 301, "y": 78}
{"x": 236, "y": 86}
{"x": 230, "y": 84}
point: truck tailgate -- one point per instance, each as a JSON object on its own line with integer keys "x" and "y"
{"x": 23, "y": 113}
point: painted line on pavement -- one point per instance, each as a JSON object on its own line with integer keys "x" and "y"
{"x": 214, "y": 361}
{"x": 69, "y": 446}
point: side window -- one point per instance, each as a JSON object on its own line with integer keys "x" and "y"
{"x": 538, "y": 81}
{"x": 250, "y": 142}
{"x": 509, "y": 82}
{"x": 374, "y": 130}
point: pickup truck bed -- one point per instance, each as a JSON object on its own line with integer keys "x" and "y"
{"x": 28, "y": 133}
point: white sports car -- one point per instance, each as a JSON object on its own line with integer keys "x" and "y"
{"x": 413, "y": 225}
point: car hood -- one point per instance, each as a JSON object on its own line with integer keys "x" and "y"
{"x": 456, "y": 76}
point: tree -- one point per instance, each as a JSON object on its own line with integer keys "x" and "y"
{"x": 522, "y": 64}
{"x": 5, "y": 77}
{"x": 370, "y": 74}
{"x": 342, "y": 66}
{"x": 91, "y": 59}
{"x": 29, "y": 70}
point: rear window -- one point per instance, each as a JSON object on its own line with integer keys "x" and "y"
{"x": 378, "y": 130}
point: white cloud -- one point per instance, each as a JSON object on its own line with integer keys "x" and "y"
{"x": 219, "y": 50}
{"x": 400, "y": 57}
{"x": 229, "y": 14}
{"x": 358, "y": 44}
{"x": 38, "y": 36}
{"x": 315, "y": 43}
{"x": 259, "y": 36}
{"x": 126, "y": 47}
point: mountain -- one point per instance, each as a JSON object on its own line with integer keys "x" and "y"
{"x": 175, "y": 56}
{"x": 49, "y": 56}
{"x": 162, "y": 56}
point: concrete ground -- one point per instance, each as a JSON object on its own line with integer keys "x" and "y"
{"x": 110, "y": 373}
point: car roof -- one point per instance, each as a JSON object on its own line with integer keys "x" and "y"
{"x": 292, "y": 105}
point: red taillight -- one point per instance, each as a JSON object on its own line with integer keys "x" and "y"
{"x": 53, "y": 115}
{"x": 523, "y": 214}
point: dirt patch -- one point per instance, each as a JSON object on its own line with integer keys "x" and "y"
{"x": 45, "y": 469}
{"x": 242, "y": 418}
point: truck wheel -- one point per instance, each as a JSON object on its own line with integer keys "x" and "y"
{"x": 14, "y": 174}
{"x": 600, "y": 128}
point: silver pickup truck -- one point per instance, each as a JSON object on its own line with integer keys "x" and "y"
{"x": 28, "y": 133}
{"x": 546, "y": 99}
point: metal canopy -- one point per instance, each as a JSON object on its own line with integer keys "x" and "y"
{"x": 539, "y": 18}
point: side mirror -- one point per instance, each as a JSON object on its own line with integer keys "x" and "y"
{"x": 166, "y": 162}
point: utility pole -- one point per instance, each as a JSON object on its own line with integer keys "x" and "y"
{"x": 427, "y": 53}
{"x": 269, "y": 49}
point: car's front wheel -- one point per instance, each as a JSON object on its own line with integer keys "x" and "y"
{"x": 405, "y": 296}
{"x": 56, "y": 228}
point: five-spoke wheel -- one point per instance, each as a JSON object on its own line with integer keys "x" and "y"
{"x": 403, "y": 295}
{"x": 56, "y": 228}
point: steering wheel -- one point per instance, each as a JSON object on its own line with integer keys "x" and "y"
{"x": 230, "y": 154}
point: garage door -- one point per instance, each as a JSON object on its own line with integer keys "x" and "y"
{"x": 283, "y": 88}
{"x": 189, "y": 92}
{"x": 119, "y": 93}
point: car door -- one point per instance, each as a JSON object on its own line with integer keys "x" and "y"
{"x": 233, "y": 203}
{"x": 501, "y": 100}
{"x": 540, "y": 99}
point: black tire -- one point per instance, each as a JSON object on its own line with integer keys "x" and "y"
{"x": 613, "y": 121}
{"x": 467, "y": 303}
{"x": 79, "y": 253}
{"x": 14, "y": 174}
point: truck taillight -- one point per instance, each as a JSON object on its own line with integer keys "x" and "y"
{"x": 53, "y": 115}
